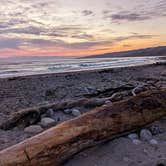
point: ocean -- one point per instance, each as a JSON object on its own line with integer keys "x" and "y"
{"x": 12, "y": 67}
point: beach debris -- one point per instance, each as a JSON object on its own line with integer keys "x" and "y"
{"x": 33, "y": 129}
{"x": 133, "y": 136}
{"x": 153, "y": 142}
{"x": 139, "y": 89}
{"x": 136, "y": 141}
{"x": 118, "y": 96}
{"x": 47, "y": 122}
{"x": 145, "y": 135}
{"x": 76, "y": 112}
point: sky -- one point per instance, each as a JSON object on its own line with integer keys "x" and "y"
{"x": 80, "y": 27}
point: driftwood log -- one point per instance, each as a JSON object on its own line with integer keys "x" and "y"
{"x": 56, "y": 145}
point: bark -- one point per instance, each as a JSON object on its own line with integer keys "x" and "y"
{"x": 56, "y": 145}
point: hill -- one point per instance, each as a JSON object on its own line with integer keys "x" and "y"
{"x": 153, "y": 51}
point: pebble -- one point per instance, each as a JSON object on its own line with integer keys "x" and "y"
{"x": 50, "y": 113}
{"x": 94, "y": 103}
{"x": 67, "y": 111}
{"x": 153, "y": 142}
{"x": 90, "y": 90}
{"x": 76, "y": 112}
{"x": 161, "y": 162}
{"x": 47, "y": 122}
{"x": 133, "y": 136}
{"x": 34, "y": 129}
{"x": 108, "y": 102}
{"x": 156, "y": 129}
{"x": 136, "y": 141}
{"x": 145, "y": 135}
{"x": 126, "y": 159}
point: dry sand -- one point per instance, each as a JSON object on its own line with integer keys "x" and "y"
{"x": 24, "y": 92}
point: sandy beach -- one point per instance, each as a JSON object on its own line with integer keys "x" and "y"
{"x": 34, "y": 91}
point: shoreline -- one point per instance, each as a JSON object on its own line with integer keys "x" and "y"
{"x": 17, "y": 74}
{"x": 74, "y": 72}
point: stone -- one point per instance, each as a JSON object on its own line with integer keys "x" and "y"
{"x": 108, "y": 102}
{"x": 133, "y": 136}
{"x": 43, "y": 116}
{"x": 90, "y": 90}
{"x": 145, "y": 135}
{"x": 136, "y": 141}
{"x": 47, "y": 122}
{"x": 161, "y": 162}
{"x": 50, "y": 113}
{"x": 94, "y": 103}
{"x": 67, "y": 111}
{"x": 156, "y": 129}
{"x": 33, "y": 129}
{"x": 126, "y": 159}
{"x": 76, "y": 112}
{"x": 153, "y": 142}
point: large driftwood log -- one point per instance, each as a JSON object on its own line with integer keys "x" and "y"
{"x": 54, "y": 146}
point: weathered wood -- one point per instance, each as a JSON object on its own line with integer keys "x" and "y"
{"x": 54, "y": 146}
{"x": 32, "y": 115}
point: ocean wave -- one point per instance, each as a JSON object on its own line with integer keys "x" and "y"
{"x": 65, "y": 65}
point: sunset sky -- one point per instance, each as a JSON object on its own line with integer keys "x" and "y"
{"x": 80, "y": 27}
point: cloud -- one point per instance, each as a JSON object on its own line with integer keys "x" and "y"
{"x": 136, "y": 36}
{"x": 87, "y": 12}
{"x": 129, "y": 17}
{"x": 83, "y": 36}
{"x": 140, "y": 12}
{"x": 10, "y": 43}
{"x": 18, "y": 43}
{"x": 25, "y": 30}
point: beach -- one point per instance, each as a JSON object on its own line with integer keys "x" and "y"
{"x": 18, "y": 93}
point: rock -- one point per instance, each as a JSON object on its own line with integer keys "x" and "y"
{"x": 67, "y": 111}
{"x": 126, "y": 159}
{"x": 95, "y": 103}
{"x": 108, "y": 102}
{"x": 47, "y": 122}
{"x": 153, "y": 142}
{"x": 34, "y": 129}
{"x": 50, "y": 113}
{"x": 76, "y": 112}
{"x": 133, "y": 136}
{"x": 156, "y": 129}
{"x": 161, "y": 162}
{"x": 90, "y": 91}
{"x": 145, "y": 135}
{"x": 136, "y": 141}
{"x": 43, "y": 116}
